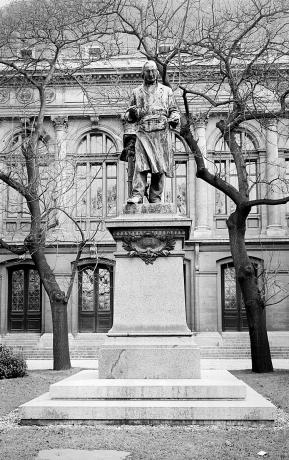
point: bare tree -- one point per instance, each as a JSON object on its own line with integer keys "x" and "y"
{"x": 243, "y": 49}
{"x": 41, "y": 42}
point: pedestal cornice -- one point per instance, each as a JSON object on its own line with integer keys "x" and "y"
{"x": 154, "y": 217}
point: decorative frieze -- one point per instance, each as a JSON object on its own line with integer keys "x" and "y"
{"x": 50, "y": 95}
{"x": 25, "y": 95}
{"x": 139, "y": 233}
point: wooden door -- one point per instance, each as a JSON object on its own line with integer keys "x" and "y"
{"x": 24, "y": 300}
{"x": 234, "y": 313}
{"x": 95, "y": 299}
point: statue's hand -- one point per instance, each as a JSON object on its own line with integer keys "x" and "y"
{"x": 133, "y": 113}
{"x": 174, "y": 120}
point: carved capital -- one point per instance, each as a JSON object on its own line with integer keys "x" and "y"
{"x": 60, "y": 123}
{"x": 269, "y": 123}
{"x": 200, "y": 120}
{"x": 27, "y": 123}
{"x": 94, "y": 121}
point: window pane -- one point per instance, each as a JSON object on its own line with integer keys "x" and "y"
{"x": 17, "y": 301}
{"x": 181, "y": 187}
{"x": 181, "y": 169}
{"x": 111, "y": 170}
{"x": 230, "y": 288}
{"x": 96, "y": 143}
{"x": 111, "y": 197}
{"x": 81, "y": 191}
{"x": 221, "y": 145}
{"x": 252, "y": 178}
{"x": 287, "y": 182}
{"x": 104, "y": 290}
{"x": 82, "y": 147}
{"x": 34, "y": 300}
{"x": 168, "y": 190}
{"x": 179, "y": 146}
{"x": 233, "y": 180}
{"x": 96, "y": 194}
{"x": 220, "y": 169}
{"x": 87, "y": 288}
{"x": 220, "y": 197}
{"x": 246, "y": 143}
{"x": 110, "y": 147}
{"x": 14, "y": 203}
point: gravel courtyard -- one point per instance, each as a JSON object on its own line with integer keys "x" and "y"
{"x": 161, "y": 442}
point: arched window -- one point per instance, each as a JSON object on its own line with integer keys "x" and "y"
{"x": 96, "y": 180}
{"x": 176, "y": 189}
{"x": 95, "y": 298}
{"x": 24, "y": 299}
{"x": 243, "y": 139}
{"x": 16, "y": 214}
{"x": 225, "y": 167}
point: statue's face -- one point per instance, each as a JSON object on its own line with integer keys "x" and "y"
{"x": 150, "y": 73}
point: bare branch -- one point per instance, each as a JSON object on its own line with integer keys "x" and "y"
{"x": 19, "y": 250}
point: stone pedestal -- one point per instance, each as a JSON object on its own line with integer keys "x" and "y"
{"x": 150, "y": 337}
{"x": 149, "y": 368}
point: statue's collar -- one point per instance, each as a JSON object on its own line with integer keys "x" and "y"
{"x": 150, "y": 88}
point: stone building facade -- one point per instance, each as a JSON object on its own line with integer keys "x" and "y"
{"x": 83, "y": 142}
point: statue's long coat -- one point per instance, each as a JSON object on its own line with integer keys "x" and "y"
{"x": 154, "y": 146}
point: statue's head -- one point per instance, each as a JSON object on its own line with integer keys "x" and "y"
{"x": 150, "y": 72}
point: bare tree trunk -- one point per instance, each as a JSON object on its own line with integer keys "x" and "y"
{"x": 58, "y": 302}
{"x": 255, "y": 309}
{"x": 61, "y": 358}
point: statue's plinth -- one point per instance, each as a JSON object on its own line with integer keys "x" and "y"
{"x": 150, "y": 337}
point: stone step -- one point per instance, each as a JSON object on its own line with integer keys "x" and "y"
{"x": 91, "y": 351}
{"x": 45, "y": 410}
{"x": 86, "y": 385}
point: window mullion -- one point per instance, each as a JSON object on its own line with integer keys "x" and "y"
{"x": 88, "y": 144}
{"x": 87, "y": 194}
{"x": 104, "y": 190}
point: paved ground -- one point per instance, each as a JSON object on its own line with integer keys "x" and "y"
{"x": 229, "y": 364}
{"x": 76, "y": 454}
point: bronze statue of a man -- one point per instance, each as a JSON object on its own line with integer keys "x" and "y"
{"x": 154, "y": 111}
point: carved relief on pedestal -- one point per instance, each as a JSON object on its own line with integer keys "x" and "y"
{"x": 148, "y": 244}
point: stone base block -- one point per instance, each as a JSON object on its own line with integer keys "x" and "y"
{"x": 145, "y": 408}
{"x": 149, "y": 362}
{"x": 212, "y": 385}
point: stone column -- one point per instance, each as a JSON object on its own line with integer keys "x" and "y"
{"x": 61, "y": 198}
{"x": 201, "y": 200}
{"x": 60, "y": 125}
{"x": 274, "y": 225}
